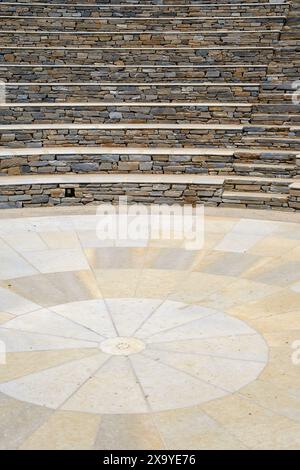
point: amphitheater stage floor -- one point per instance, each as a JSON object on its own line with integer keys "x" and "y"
{"x": 152, "y": 345}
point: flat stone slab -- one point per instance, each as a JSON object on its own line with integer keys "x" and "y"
{"x": 136, "y": 178}
{"x": 109, "y": 178}
{"x": 252, "y": 196}
{"x": 165, "y": 32}
{"x": 157, "y": 104}
{"x": 147, "y": 84}
{"x": 122, "y": 126}
{"x": 115, "y": 150}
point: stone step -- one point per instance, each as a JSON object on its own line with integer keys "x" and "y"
{"x": 255, "y": 197}
{"x": 275, "y": 141}
{"x": 147, "y": 91}
{"x": 249, "y": 153}
{"x": 178, "y": 135}
{"x": 115, "y": 3}
{"x": 125, "y": 112}
{"x": 134, "y": 55}
{"x": 214, "y": 112}
{"x": 131, "y": 73}
{"x": 160, "y": 160}
{"x": 143, "y": 9}
{"x": 287, "y": 54}
{"x": 278, "y": 119}
{"x": 136, "y": 38}
{"x": 285, "y": 69}
{"x": 178, "y": 23}
{"x": 261, "y": 169}
{"x": 276, "y": 97}
{"x": 40, "y": 190}
{"x": 261, "y": 112}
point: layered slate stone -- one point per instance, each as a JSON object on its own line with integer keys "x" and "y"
{"x": 187, "y": 88}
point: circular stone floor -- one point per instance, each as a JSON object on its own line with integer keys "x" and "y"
{"x": 153, "y": 346}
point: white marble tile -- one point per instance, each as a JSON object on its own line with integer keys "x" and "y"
{"x": 250, "y": 347}
{"x": 23, "y": 341}
{"x": 208, "y": 327}
{"x": 114, "y": 389}
{"x": 92, "y": 314}
{"x": 255, "y": 227}
{"x": 170, "y": 315}
{"x": 15, "y": 304}
{"x": 296, "y": 287}
{"x": 168, "y": 388}
{"x": 129, "y": 314}
{"x": 3, "y": 245}
{"x": 89, "y": 239}
{"x": 237, "y": 242}
{"x": 52, "y": 387}
{"x": 227, "y": 374}
{"x": 230, "y": 264}
{"x": 50, "y": 261}
{"x": 12, "y": 265}
{"x": 25, "y": 241}
{"x": 46, "y": 322}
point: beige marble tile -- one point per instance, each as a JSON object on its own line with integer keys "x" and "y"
{"x": 281, "y": 272}
{"x": 64, "y": 430}
{"x": 211, "y": 240}
{"x": 195, "y": 286}
{"x": 21, "y": 363}
{"x": 278, "y": 399}
{"x": 66, "y": 240}
{"x": 280, "y": 302}
{"x": 254, "y": 425}
{"x": 228, "y": 264}
{"x": 240, "y": 291}
{"x": 221, "y": 225}
{"x": 117, "y": 282}
{"x": 128, "y": 432}
{"x": 56, "y": 288}
{"x": 18, "y": 421}
{"x": 191, "y": 428}
{"x": 170, "y": 258}
{"x": 115, "y": 258}
{"x": 274, "y": 246}
{"x": 158, "y": 283}
{"x": 4, "y": 317}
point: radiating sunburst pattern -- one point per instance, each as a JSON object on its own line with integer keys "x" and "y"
{"x": 149, "y": 346}
{"x": 132, "y": 355}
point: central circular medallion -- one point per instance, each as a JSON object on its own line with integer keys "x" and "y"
{"x": 122, "y": 346}
{"x": 129, "y": 355}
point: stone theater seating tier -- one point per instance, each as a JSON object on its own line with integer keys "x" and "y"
{"x": 162, "y": 101}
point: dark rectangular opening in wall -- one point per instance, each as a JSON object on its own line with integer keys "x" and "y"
{"x": 70, "y": 192}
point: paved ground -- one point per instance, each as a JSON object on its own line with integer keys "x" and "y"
{"x": 153, "y": 346}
